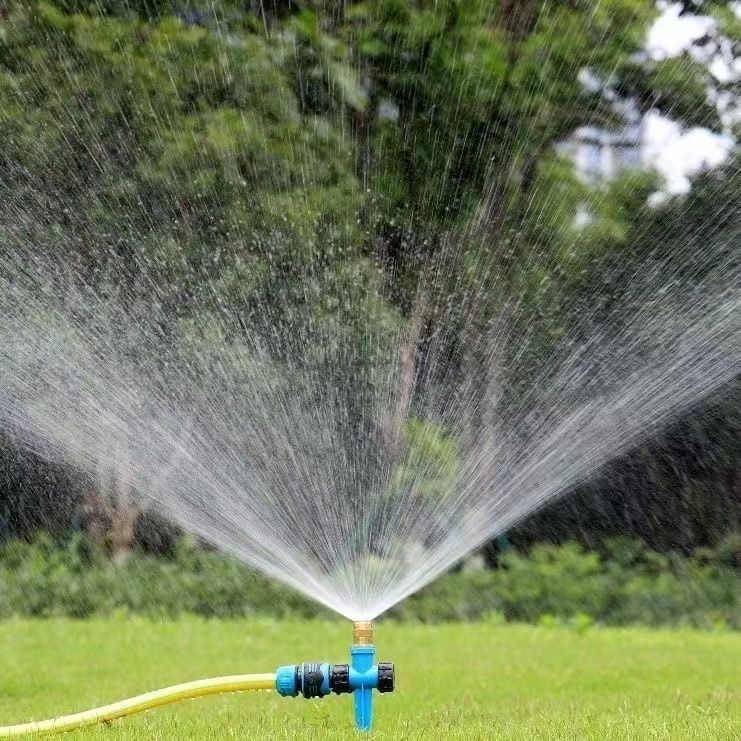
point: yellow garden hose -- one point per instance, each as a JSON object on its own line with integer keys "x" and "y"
{"x": 140, "y": 703}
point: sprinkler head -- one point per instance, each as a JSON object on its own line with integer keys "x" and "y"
{"x": 362, "y": 633}
{"x": 360, "y": 677}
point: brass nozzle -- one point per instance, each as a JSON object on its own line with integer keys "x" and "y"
{"x": 362, "y": 633}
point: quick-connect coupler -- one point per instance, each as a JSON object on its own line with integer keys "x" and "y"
{"x": 360, "y": 677}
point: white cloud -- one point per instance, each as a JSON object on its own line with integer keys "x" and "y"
{"x": 672, "y": 34}
{"x": 678, "y": 153}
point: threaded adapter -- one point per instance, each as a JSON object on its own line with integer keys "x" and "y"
{"x": 339, "y": 679}
{"x": 386, "y": 678}
{"x": 362, "y": 633}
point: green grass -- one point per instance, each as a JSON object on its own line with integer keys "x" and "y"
{"x": 463, "y": 681}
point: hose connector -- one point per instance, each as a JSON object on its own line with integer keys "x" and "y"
{"x": 307, "y": 679}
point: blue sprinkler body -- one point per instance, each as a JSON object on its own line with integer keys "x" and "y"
{"x": 360, "y": 677}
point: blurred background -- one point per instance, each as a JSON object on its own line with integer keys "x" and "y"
{"x": 594, "y": 133}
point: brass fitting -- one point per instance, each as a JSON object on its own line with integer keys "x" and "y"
{"x": 362, "y": 633}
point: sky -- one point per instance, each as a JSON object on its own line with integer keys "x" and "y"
{"x": 674, "y": 151}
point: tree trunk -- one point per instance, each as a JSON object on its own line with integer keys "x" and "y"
{"x": 110, "y": 513}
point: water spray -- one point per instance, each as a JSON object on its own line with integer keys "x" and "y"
{"x": 312, "y": 680}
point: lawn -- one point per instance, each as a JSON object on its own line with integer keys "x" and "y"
{"x": 462, "y": 681}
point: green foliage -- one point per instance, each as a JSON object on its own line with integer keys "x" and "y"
{"x": 44, "y": 578}
{"x": 510, "y": 69}
{"x": 677, "y": 87}
{"x": 728, "y": 551}
{"x": 429, "y": 466}
{"x": 628, "y": 584}
{"x": 552, "y": 585}
{"x": 144, "y": 8}
{"x": 182, "y": 135}
{"x": 560, "y": 581}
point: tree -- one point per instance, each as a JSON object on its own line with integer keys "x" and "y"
{"x": 681, "y": 489}
{"x": 370, "y": 188}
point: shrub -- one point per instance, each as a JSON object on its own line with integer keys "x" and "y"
{"x": 552, "y": 585}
